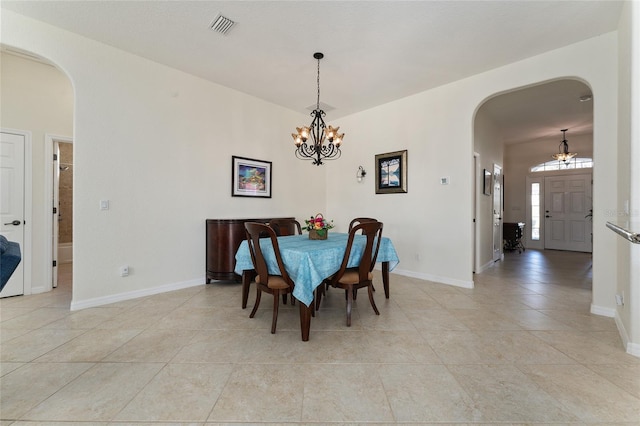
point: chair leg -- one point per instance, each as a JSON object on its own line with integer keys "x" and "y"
{"x": 255, "y": 306}
{"x": 373, "y": 304}
{"x": 318, "y": 296}
{"x": 349, "y": 304}
{"x": 276, "y": 304}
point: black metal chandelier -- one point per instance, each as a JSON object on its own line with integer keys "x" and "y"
{"x": 324, "y": 141}
{"x": 563, "y": 149}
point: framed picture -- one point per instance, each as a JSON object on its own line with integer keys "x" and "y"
{"x": 250, "y": 178}
{"x": 391, "y": 172}
{"x": 486, "y": 186}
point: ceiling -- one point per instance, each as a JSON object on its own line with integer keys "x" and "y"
{"x": 375, "y": 51}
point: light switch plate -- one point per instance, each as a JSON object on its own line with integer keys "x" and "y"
{"x": 104, "y": 204}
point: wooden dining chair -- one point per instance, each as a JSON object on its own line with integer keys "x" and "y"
{"x": 284, "y": 227}
{"x": 275, "y": 285}
{"x": 359, "y": 220}
{"x": 351, "y": 279}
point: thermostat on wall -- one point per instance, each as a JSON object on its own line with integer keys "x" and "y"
{"x": 444, "y": 180}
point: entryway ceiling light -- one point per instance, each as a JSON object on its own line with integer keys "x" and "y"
{"x": 563, "y": 150}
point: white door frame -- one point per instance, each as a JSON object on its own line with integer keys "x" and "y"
{"x": 50, "y": 141}
{"x": 476, "y": 267}
{"x": 496, "y": 222}
{"x": 27, "y": 249}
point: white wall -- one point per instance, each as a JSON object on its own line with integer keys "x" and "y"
{"x": 39, "y": 98}
{"x": 432, "y": 223}
{"x": 628, "y": 282}
{"x": 158, "y": 143}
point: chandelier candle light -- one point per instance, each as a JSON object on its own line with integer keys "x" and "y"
{"x": 563, "y": 150}
{"x": 317, "y": 134}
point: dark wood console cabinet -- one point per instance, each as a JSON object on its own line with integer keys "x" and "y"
{"x": 223, "y": 239}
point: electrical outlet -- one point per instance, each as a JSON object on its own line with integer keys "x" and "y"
{"x": 620, "y": 299}
{"x": 124, "y": 271}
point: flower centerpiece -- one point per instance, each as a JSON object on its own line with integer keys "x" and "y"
{"x": 318, "y": 227}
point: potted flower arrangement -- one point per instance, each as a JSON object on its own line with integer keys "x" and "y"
{"x": 318, "y": 227}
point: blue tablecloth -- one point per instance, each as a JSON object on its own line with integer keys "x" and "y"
{"x": 308, "y": 262}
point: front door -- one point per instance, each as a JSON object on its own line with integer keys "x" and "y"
{"x": 12, "y": 202}
{"x": 568, "y": 204}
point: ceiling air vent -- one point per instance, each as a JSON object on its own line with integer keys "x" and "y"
{"x": 222, "y": 24}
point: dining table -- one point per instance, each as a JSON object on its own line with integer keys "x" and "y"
{"x": 308, "y": 262}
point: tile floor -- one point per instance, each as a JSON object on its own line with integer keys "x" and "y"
{"x": 520, "y": 348}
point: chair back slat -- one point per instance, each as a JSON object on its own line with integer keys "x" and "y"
{"x": 372, "y": 231}
{"x": 359, "y": 220}
{"x": 284, "y": 227}
{"x": 256, "y": 231}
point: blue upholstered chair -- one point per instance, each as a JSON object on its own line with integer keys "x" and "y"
{"x": 9, "y": 259}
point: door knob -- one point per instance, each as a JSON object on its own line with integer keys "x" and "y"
{"x": 14, "y": 223}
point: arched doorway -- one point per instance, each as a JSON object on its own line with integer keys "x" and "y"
{"x": 516, "y": 130}
{"x": 38, "y": 98}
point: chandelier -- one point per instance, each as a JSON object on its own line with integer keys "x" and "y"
{"x": 324, "y": 141}
{"x": 563, "y": 150}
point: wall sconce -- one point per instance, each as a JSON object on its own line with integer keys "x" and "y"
{"x": 360, "y": 174}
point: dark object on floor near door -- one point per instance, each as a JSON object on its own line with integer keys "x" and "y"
{"x": 9, "y": 259}
{"x": 512, "y": 234}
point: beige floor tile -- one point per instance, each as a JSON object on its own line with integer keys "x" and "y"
{"x": 34, "y": 344}
{"x": 191, "y": 318}
{"x": 98, "y": 394}
{"x": 627, "y": 377}
{"x": 269, "y": 392}
{"x": 29, "y": 385}
{"x": 151, "y": 346}
{"x": 224, "y": 346}
{"x": 408, "y": 347}
{"x": 501, "y": 393}
{"x": 462, "y": 347}
{"x": 92, "y": 346}
{"x": 435, "y": 320}
{"x": 134, "y": 318}
{"x": 424, "y": 393}
{"x": 179, "y": 393}
{"x": 530, "y": 319}
{"x": 47, "y": 423}
{"x": 587, "y": 395}
{"x": 7, "y": 367}
{"x": 345, "y": 393}
{"x": 482, "y": 319}
{"x": 585, "y": 348}
{"x": 35, "y": 319}
{"x": 6, "y": 335}
{"x": 86, "y": 318}
{"x": 8, "y": 312}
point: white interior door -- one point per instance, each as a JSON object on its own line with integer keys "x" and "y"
{"x": 567, "y": 202}
{"x": 12, "y": 167}
{"x": 497, "y": 212}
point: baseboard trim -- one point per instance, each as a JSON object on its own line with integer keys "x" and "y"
{"x": 434, "y": 278}
{"x": 602, "y": 311}
{"x": 100, "y": 301}
{"x": 631, "y": 348}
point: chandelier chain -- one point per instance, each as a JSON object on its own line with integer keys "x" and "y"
{"x": 318, "y": 81}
